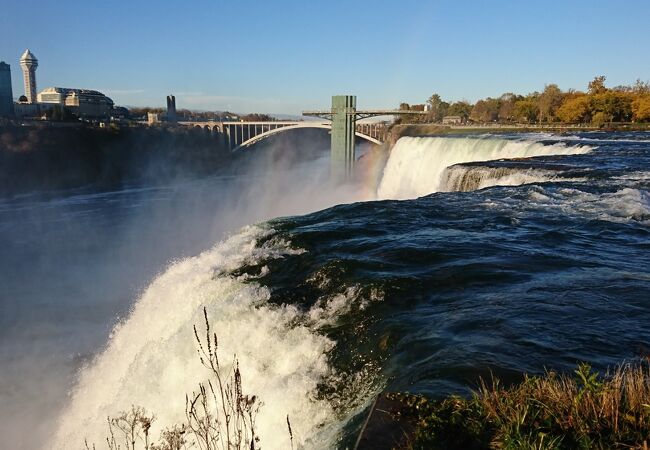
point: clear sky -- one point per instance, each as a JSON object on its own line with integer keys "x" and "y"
{"x": 282, "y": 56}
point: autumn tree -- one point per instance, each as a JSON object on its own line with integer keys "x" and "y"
{"x": 438, "y": 108}
{"x": 443, "y": 110}
{"x": 574, "y": 109}
{"x": 641, "y": 87}
{"x": 461, "y": 108}
{"x": 548, "y": 102}
{"x": 597, "y": 85}
{"x": 599, "y": 119}
{"x": 434, "y": 100}
{"x": 256, "y": 117}
{"x": 641, "y": 108}
{"x": 507, "y": 107}
{"x": 138, "y": 112}
{"x": 600, "y": 105}
{"x": 612, "y": 106}
{"x": 525, "y": 110}
{"x": 411, "y": 118}
{"x": 486, "y": 110}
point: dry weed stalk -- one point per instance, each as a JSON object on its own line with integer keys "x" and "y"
{"x": 221, "y": 418}
{"x": 290, "y": 432}
{"x": 218, "y": 417}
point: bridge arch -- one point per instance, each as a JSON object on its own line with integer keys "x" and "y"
{"x": 271, "y": 132}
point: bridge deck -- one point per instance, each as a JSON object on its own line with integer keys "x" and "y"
{"x": 240, "y": 134}
{"x": 368, "y": 112}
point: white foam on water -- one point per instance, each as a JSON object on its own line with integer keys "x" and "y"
{"x": 151, "y": 358}
{"x": 635, "y": 176}
{"x": 463, "y": 178}
{"x": 624, "y": 205}
{"x": 594, "y": 139}
{"x": 416, "y": 165}
{"x": 329, "y": 308}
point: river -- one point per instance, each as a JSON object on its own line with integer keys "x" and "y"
{"x": 465, "y": 256}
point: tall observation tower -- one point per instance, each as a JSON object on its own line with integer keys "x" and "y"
{"x": 29, "y": 63}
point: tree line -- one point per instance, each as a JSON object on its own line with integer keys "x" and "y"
{"x": 598, "y": 106}
{"x": 186, "y": 114}
{"x": 43, "y": 158}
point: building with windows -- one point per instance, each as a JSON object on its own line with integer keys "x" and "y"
{"x": 25, "y": 109}
{"x": 85, "y": 103}
{"x": 453, "y": 120}
{"x": 6, "y": 93}
{"x": 29, "y": 63}
{"x": 153, "y": 118}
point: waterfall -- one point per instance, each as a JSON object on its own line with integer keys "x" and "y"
{"x": 416, "y": 165}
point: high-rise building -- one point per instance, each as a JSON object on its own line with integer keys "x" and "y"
{"x": 6, "y": 93}
{"x": 171, "y": 108}
{"x": 29, "y": 63}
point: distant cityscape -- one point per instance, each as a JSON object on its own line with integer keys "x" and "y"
{"x": 599, "y": 106}
{"x": 83, "y": 105}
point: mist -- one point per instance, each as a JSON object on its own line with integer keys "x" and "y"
{"x": 72, "y": 266}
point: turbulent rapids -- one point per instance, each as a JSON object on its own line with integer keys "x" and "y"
{"x": 152, "y": 356}
{"x": 325, "y": 310}
{"x": 418, "y": 166}
{"x": 462, "y": 178}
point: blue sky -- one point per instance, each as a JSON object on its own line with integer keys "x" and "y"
{"x": 286, "y": 56}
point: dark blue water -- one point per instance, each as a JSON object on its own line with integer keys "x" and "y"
{"x": 422, "y": 295}
{"x": 477, "y": 282}
{"x": 451, "y": 287}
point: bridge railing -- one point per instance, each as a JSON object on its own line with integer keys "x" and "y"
{"x": 238, "y": 134}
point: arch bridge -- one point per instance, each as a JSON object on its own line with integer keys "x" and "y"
{"x": 341, "y": 119}
{"x": 239, "y": 135}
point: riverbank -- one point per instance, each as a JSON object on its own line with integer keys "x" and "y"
{"x": 583, "y": 410}
{"x": 426, "y": 129}
{"x": 53, "y": 158}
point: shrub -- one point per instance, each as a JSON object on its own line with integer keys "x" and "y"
{"x": 584, "y": 411}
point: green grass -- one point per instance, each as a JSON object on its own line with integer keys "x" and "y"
{"x": 580, "y": 411}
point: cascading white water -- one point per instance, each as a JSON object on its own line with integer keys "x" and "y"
{"x": 416, "y": 165}
{"x": 463, "y": 178}
{"x": 151, "y": 359}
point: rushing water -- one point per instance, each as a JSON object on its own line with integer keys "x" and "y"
{"x": 484, "y": 264}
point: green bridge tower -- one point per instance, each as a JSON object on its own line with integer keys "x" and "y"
{"x": 344, "y": 116}
{"x": 344, "y": 108}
